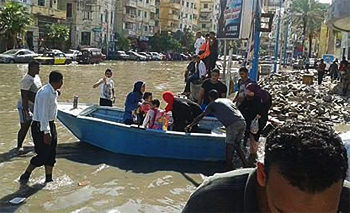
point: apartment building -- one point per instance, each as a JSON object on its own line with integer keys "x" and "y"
{"x": 208, "y": 15}
{"x": 137, "y": 19}
{"x": 189, "y": 14}
{"x": 170, "y": 12}
{"x": 91, "y": 22}
{"x": 43, "y": 12}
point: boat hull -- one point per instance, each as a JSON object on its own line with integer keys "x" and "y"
{"x": 131, "y": 140}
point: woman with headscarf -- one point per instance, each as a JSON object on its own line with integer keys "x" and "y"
{"x": 256, "y": 105}
{"x": 133, "y": 100}
{"x": 183, "y": 111}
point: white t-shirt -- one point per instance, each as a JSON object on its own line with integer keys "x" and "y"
{"x": 198, "y": 44}
{"x": 106, "y": 88}
{"x": 31, "y": 84}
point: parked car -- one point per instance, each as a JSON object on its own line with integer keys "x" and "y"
{"x": 54, "y": 57}
{"x": 155, "y": 56}
{"x": 90, "y": 56}
{"x": 73, "y": 54}
{"x": 135, "y": 56}
{"x": 148, "y": 56}
{"x": 18, "y": 56}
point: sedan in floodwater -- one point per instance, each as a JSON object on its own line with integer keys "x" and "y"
{"x": 54, "y": 57}
{"x": 17, "y": 56}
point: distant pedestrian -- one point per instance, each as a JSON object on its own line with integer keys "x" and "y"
{"x": 199, "y": 42}
{"x": 43, "y": 128}
{"x": 342, "y": 67}
{"x": 321, "y": 70}
{"x": 333, "y": 69}
{"x": 106, "y": 84}
{"x": 214, "y": 50}
{"x": 30, "y": 84}
{"x": 346, "y": 80}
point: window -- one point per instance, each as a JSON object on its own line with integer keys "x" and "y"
{"x": 183, "y": 2}
{"x": 101, "y": 18}
{"x": 147, "y": 1}
{"x": 85, "y": 38}
{"x": 187, "y": 4}
{"x": 145, "y": 14}
{"x": 139, "y": 13}
{"x": 106, "y": 17}
{"x": 204, "y": 26}
{"x": 111, "y": 17}
{"x": 50, "y": 3}
{"x": 87, "y": 12}
{"x": 41, "y": 2}
{"x": 146, "y": 28}
{"x": 69, "y": 13}
{"x": 191, "y": 5}
{"x": 205, "y": 5}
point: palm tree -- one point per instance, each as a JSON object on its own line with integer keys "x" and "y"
{"x": 14, "y": 18}
{"x": 308, "y": 14}
{"x": 57, "y": 35}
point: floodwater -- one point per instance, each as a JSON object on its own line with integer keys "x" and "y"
{"x": 86, "y": 178}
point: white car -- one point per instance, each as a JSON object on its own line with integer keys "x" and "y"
{"x": 73, "y": 54}
{"x": 156, "y": 56}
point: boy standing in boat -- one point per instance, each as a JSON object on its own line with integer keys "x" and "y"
{"x": 227, "y": 113}
{"x": 106, "y": 85}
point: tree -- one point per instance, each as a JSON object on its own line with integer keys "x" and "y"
{"x": 56, "y": 35}
{"x": 309, "y": 14}
{"x": 14, "y": 19}
{"x": 123, "y": 43}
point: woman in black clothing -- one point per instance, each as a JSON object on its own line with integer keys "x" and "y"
{"x": 256, "y": 105}
{"x": 183, "y": 111}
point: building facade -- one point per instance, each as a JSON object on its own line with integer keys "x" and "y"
{"x": 91, "y": 22}
{"x": 189, "y": 14}
{"x": 137, "y": 19}
{"x": 43, "y": 12}
{"x": 208, "y": 15}
{"x": 170, "y": 12}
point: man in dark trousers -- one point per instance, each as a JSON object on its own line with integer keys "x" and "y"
{"x": 228, "y": 114}
{"x": 43, "y": 128}
{"x": 321, "y": 70}
{"x": 30, "y": 84}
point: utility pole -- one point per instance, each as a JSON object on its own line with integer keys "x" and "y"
{"x": 277, "y": 36}
{"x": 286, "y": 32}
{"x": 257, "y": 24}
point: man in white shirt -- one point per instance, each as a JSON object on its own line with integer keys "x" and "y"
{"x": 43, "y": 127}
{"x": 30, "y": 84}
{"x": 199, "y": 41}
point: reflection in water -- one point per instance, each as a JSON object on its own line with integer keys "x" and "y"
{"x": 88, "y": 179}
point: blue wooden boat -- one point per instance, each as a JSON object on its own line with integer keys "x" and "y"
{"x": 103, "y": 127}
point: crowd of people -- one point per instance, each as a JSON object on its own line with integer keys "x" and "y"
{"x": 341, "y": 73}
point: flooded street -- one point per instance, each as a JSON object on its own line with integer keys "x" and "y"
{"x": 88, "y": 179}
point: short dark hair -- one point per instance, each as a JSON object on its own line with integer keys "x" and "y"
{"x": 32, "y": 64}
{"x": 147, "y": 95}
{"x": 213, "y": 33}
{"x": 55, "y": 77}
{"x": 155, "y": 102}
{"x": 207, "y": 35}
{"x": 108, "y": 70}
{"x": 243, "y": 69}
{"x": 310, "y": 155}
{"x": 213, "y": 94}
{"x": 216, "y": 70}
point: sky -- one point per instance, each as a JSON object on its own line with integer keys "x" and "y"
{"x": 325, "y": 1}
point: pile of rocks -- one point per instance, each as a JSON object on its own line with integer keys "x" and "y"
{"x": 293, "y": 99}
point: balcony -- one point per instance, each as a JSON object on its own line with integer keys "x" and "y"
{"x": 152, "y": 9}
{"x": 130, "y": 17}
{"x": 338, "y": 16}
{"x": 131, "y": 3}
{"x": 46, "y": 11}
{"x": 206, "y": 10}
{"x": 175, "y": 6}
{"x": 174, "y": 17}
{"x": 152, "y": 23}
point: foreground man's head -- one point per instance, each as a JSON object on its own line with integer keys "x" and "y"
{"x": 303, "y": 170}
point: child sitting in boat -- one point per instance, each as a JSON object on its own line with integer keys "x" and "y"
{"x": 141, "y": 111}
{"x": 154, "y": 117}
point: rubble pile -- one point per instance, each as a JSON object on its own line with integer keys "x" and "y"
{"x": 293, "y": 99}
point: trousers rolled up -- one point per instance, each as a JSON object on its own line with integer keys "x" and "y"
{"x": 45, "y": 153}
